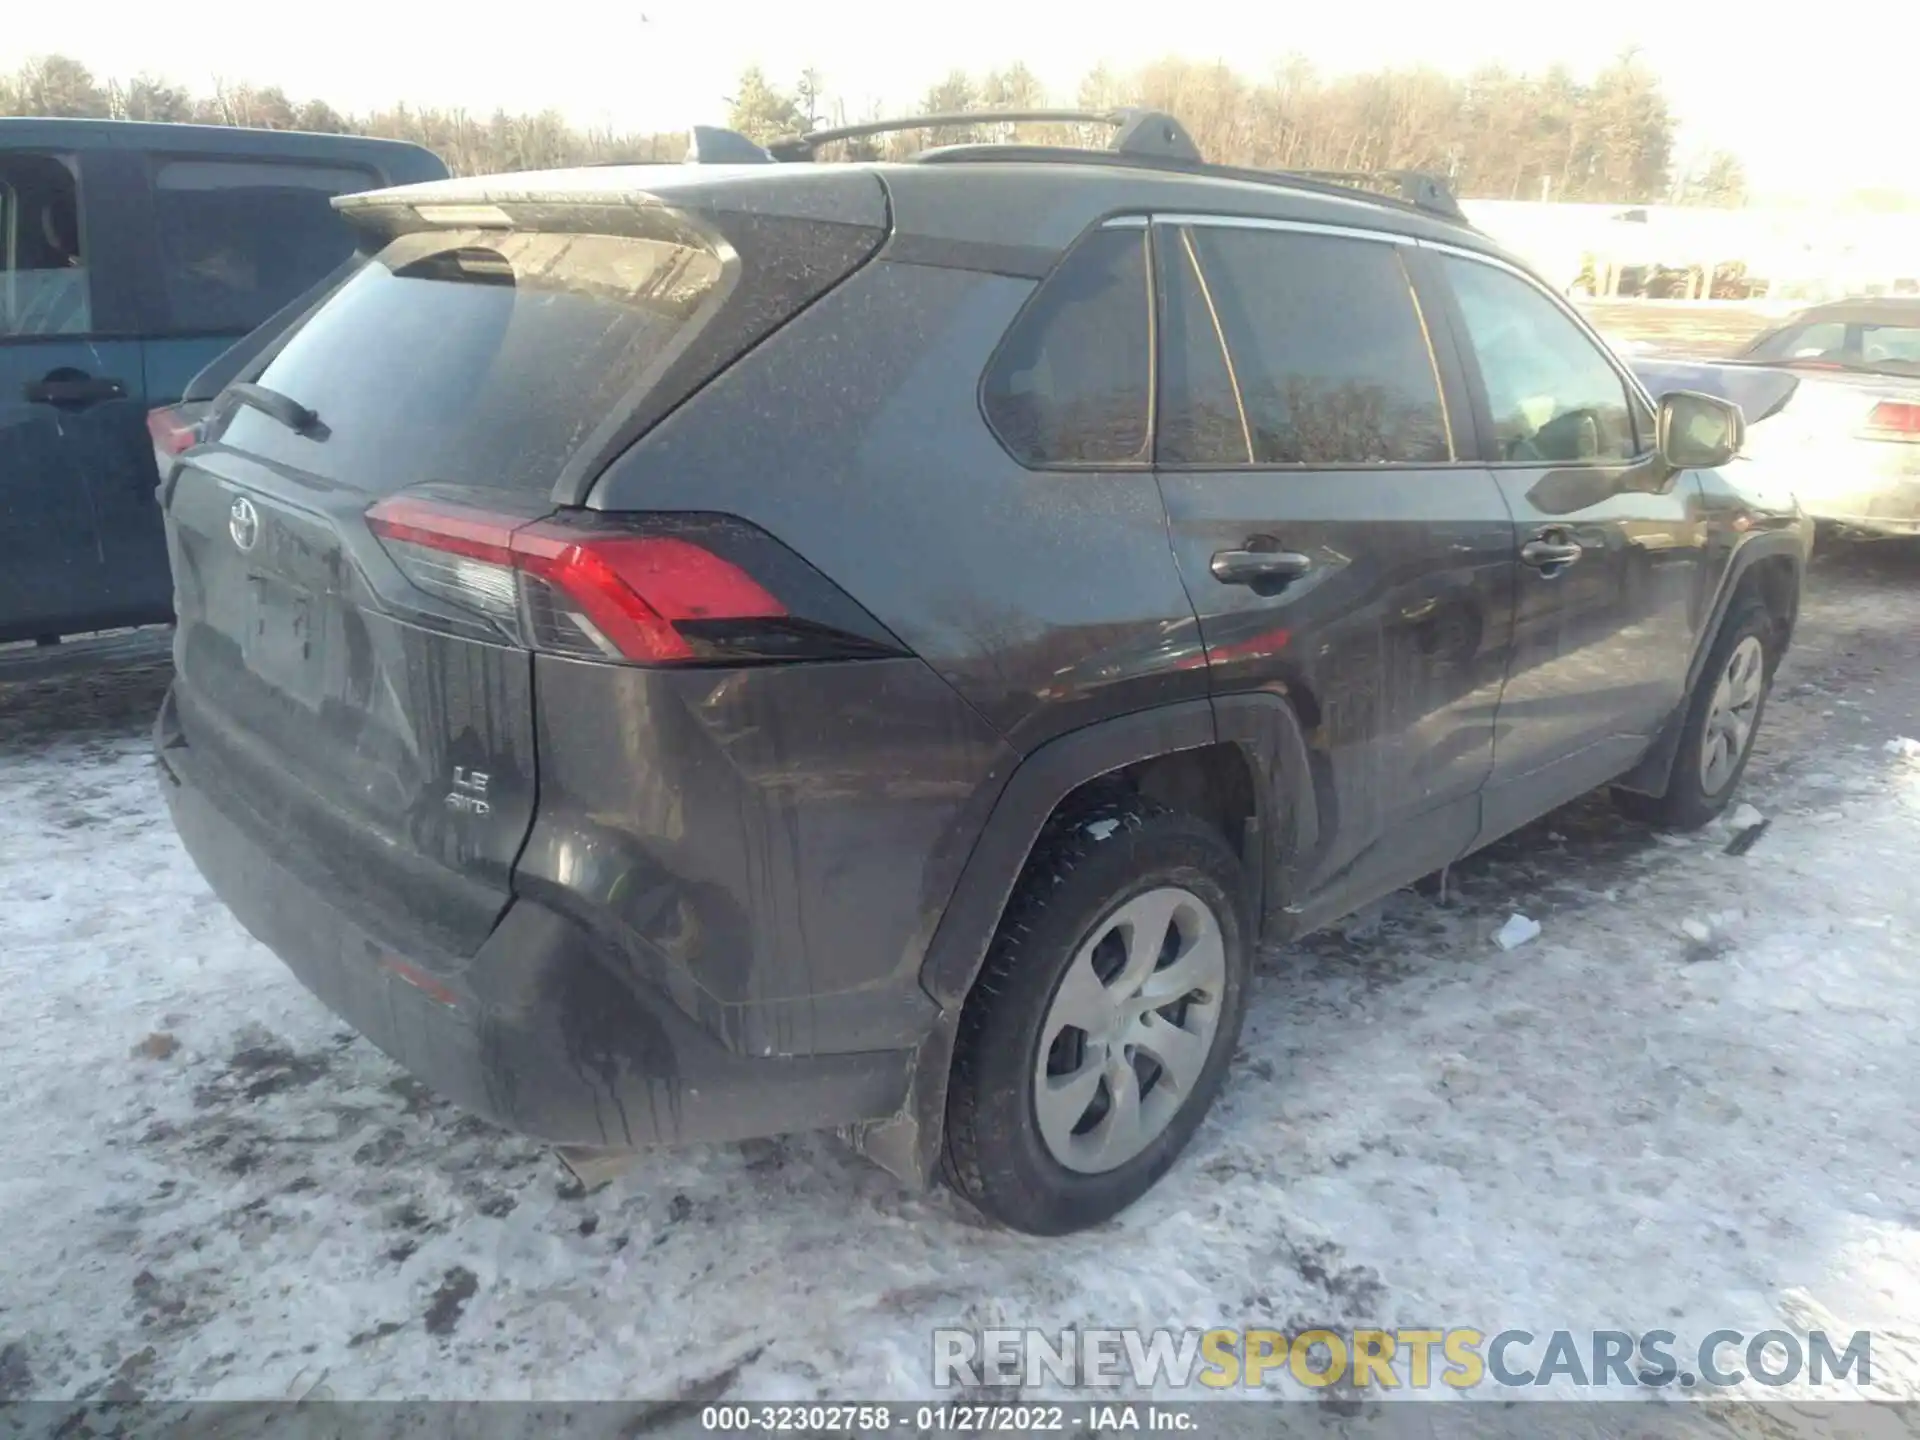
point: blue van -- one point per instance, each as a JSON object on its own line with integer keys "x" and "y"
{"x": 131, "y": 256}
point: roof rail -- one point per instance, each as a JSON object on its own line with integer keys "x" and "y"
{"x": 1136, "y": 132}
{"x": 1419, "y": 188}
{"x": 1412, "y": 190}
{"x": 1141, "y": 136}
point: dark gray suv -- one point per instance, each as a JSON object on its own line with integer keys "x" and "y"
{"x": 698, "y": 652}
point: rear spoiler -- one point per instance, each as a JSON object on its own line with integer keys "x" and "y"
{"x": 644, "y": 200}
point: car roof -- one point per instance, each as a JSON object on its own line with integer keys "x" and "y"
{"x": 400, "y": 159}
{"x": 1862, "y": 309}
{"x": 1032, "y": 204}
{"x": 1048, "y": 202}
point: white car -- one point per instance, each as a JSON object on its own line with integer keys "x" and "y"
{"x": 1832, "y": 399}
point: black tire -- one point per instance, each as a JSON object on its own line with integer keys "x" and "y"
{"x": 1687, "y": 805}
{"x": 1082, "y": 870}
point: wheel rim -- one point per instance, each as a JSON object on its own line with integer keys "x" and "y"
{"x": 1731, "y": 716}
{"x": 1130, "y": 1029}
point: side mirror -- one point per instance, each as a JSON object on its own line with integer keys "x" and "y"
{"x": 1698, "y": 432}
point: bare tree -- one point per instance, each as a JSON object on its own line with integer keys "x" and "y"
{"x": 1493, "y": 132}
{"x": 761, "y": 112}
{"x": 58, "y": 86}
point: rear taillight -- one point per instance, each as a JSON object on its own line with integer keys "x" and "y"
{"x": 656, "y": 590}
{"x": 1894, "y": 420}
{"x": 172, "y": 435}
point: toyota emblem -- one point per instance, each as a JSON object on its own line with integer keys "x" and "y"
{"x": 243, "y": 523}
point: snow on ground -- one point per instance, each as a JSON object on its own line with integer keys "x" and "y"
{"x": 1689, "y": 1104}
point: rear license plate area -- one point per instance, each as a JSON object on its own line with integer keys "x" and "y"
{"x": 284, "y": 640}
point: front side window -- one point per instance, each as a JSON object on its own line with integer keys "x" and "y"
{"x": 43, "y": 274}
{"x": 1554, "y": 398}
{"x": 1070, "y": 384}
{"x": 1287, "y": 348}
{"x": 238, "y": 239}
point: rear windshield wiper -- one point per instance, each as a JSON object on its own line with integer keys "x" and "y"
{"x": 284, "y": 408}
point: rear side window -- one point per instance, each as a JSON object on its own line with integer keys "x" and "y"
{"x": 1801, "y": 342}
{"x": 1202, "y": 421}
{"x": 480, "y": 358}
{"x": 1898, "y": 343}
{"x": 1070, "y": 384}
{"x": 238, "y": 239}
{"x": 1553, "y": 395}
{"x": 1324, "y": 345}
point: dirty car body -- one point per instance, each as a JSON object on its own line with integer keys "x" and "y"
{"x": 1838, "y": 387}
{"x": 637, "y": 635}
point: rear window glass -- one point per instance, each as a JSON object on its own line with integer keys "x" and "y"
{"x": 1070, "y": 384}
{"x": 480, "y": 358}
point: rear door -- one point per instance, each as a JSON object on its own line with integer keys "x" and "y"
{"x": 1613, "y": 576}
{"x": 1339, "y": 540}
{"x": 74, "y": 453}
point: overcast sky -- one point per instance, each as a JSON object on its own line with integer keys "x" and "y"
{"x": 1817, "y": 100}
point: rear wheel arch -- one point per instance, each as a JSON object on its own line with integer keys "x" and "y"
{"x": 1230, "y": 757}
{"x": 1224, "y": 760}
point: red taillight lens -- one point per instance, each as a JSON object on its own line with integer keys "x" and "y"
{"x": 171, "y": 434}
{"x": 1894, "y": 420}
{"x": 566, "y": 587}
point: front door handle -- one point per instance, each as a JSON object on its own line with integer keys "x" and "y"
{"x": 72, "y": 390}
{"x": 1544, "y": 554}
{"x": 1250, "y": 567}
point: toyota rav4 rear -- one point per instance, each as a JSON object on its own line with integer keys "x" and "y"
{"x": 737, "y": 648}
{"x": 576, "y": 814}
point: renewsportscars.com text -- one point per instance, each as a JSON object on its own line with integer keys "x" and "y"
{"x": 1458, "y": 1358}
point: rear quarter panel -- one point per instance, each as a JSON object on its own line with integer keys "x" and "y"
{"x": 815, "y": 824}
{"x": 1048, "y": 599}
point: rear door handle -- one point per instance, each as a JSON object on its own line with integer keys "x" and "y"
{"x": 1550, "y": 554}
{"x": 80, "y": 390}
{"x": 1249, "y": 567}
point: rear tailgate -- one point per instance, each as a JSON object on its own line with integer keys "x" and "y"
{"x": 389, "y": 763}
{"x": 373, "y": 725}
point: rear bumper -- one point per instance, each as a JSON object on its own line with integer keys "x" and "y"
{"x": 541, "y": 1031}
{"x": 1877, "y": 490}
